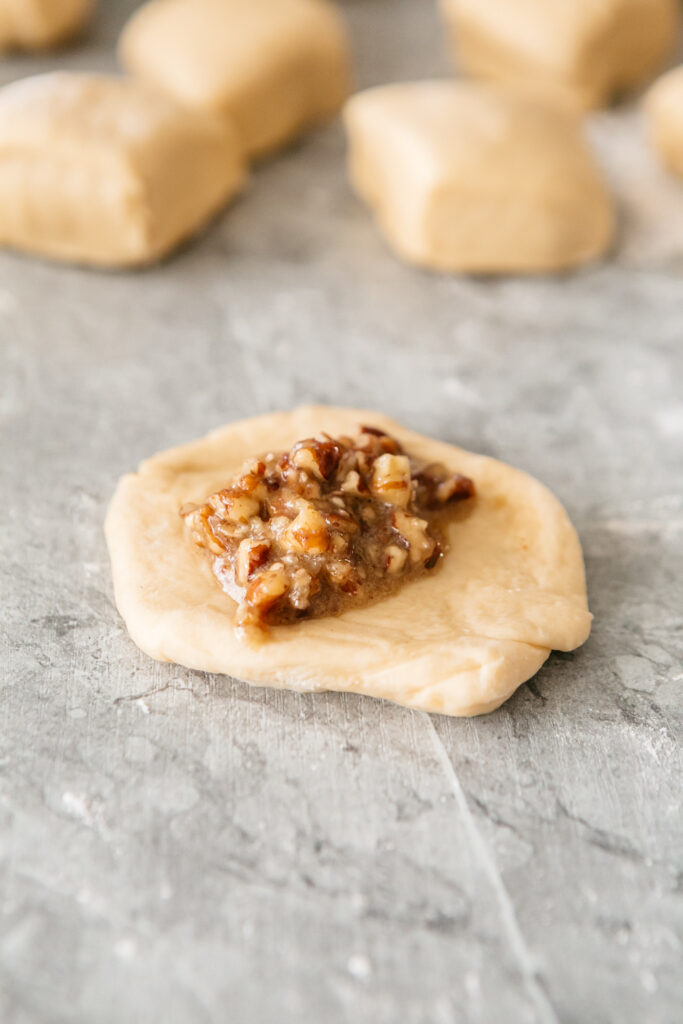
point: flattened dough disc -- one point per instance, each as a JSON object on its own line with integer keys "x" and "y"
{"x": 458, "y": 641}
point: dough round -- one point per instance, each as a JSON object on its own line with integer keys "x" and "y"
{"x": 470, "y": 177}
{"x": 458, "y": 641}
{"x": 583, "y": 51}
{"x": 664, "y": 108}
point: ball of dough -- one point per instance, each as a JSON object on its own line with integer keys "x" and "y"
{"x": 99, "y": 169}
{"x": 664, "y": 109}
{"x": 275, "y": 67}
{"x": 584, "y": 51}
{"x": 458, "y": 641}
{"x": 464, "y": 176}
{"x": 40, "y": 24}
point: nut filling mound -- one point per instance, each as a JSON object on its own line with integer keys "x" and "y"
{"x": 332, "y": 523}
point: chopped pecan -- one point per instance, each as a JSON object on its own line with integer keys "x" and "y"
{"x": 413, "y": 531}
{"x": 308, "y": 532}
{"x": 320, "y": 457}
{"x": 332, "y": 523}
{"x": 436, "y": 487}
{"x": 251, "y": 555}
{"x": 396, "y": 558}
{"x": 391, "y": 479}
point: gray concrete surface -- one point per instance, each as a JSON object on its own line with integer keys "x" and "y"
{"x": 181, "y": 849}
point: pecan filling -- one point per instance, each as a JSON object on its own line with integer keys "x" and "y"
{"x": 330, "y": 524}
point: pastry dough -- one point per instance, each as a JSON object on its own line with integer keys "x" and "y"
{"x": 464, "y": 176}
{"x": 99, "y": 169}
{"x": 274, "y": 66}
{"x": 664, "y": 108}
{"x": 457, "y": 641}
{"x": 40, "y": 24}
{"x": 585, "y": 51}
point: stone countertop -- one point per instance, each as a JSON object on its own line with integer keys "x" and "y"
{"x": 181, "y": 848}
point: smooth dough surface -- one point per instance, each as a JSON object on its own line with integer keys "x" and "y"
{"x": 40, "y": 24}
{"x": 275, "y": 67}
{"x": 664, "y": 107}
{"x": 585, "y": 51}
{"x": 459, "y": 641}
{"x": 467, "y": 176}
{"x": 98, "y": 169}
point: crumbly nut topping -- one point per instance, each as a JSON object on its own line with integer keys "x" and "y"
{"x": 332, "y": 523}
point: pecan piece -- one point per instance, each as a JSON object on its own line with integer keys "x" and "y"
{"x": 308, "y": 531}
{"x": 251, "y": 555}
{"x": 414, "y": 531}
{"x": 391, "y": 479}
{"x": 267, "y": 587}
{"x": 319, "y": 457}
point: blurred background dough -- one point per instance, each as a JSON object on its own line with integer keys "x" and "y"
{"x": 585, "y": 51}
{"x": 274, "y": 66}
{"x": 664, "y": 107}
{"x": 40, "y": 24}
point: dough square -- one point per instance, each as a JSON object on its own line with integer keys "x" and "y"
{"x": 275, "y": 67}
{"x": 101, "y": 170}
{"x": 664, "y": 108}
{"x": 40, "y": 24}
{"x": 458, "y": 641}
{"x": 470, "y": 177}
{"x": 584, "y": 51}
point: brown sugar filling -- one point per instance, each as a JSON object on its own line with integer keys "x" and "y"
{"x": 331, "y": 524}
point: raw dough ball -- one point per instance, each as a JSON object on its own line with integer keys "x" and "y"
{"x": 274, "y": 66}
{"x": 586, "y": 51}
{"x": 458, "y": 641}
{"x": 464, "y": 176}
{"x": 39, "y": 24}
{"x": 664, "y": 107}
{"x": 99, "y": 169}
